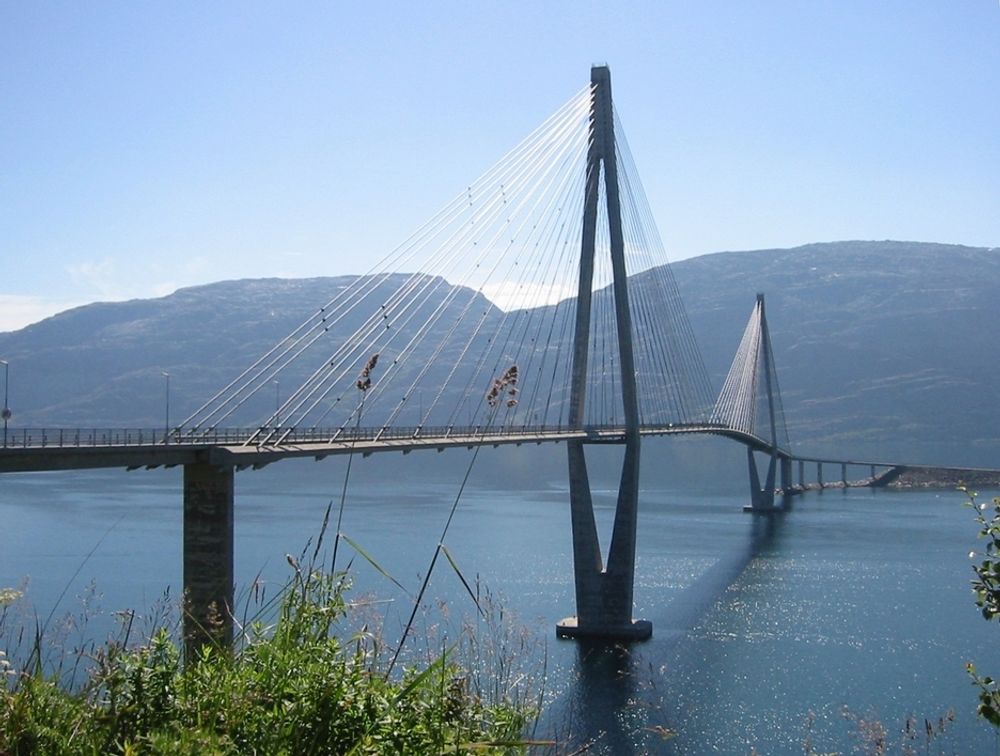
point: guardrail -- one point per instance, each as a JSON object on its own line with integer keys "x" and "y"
{"x": 42, "y": 438}
{"x": 35, "y": 438}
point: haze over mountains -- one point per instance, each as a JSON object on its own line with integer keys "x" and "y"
{"x": 884, "y": 350}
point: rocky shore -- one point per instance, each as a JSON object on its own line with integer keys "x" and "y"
{"x": 945, "y": 477}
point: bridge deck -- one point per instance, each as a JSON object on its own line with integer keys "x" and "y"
{"x": 37, "y": 450}
{"x": 40, "y": 450}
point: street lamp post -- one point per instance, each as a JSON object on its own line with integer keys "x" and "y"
{"x": 277, "y": 402}
{"x": 6, "y": 404}
{"x": 166, "y": 423}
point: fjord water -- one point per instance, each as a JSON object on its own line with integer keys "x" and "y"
{"x": 764, "y": 628}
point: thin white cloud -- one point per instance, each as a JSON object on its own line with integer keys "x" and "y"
{"x": 18, "y": 311}
{"x": 511, "y": 295}
{"x": 164, "y": 288}
{"x": 96, "y": 275}
{"x": 105, "y": 280}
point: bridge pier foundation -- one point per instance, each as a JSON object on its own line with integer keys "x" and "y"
{"x": 208, "y": 556}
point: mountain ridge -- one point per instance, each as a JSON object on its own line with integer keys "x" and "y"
{"x": 883, "y": 348}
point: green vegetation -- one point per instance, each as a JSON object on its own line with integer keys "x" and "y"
{"x": 303, "y": 683}
{"x": 986, "y": 588}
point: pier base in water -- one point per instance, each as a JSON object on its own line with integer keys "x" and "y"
{"x": 636, "y": 630}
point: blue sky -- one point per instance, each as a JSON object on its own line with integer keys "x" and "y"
{"x": 148, "y": 146}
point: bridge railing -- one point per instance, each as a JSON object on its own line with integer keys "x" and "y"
{"x": 36, "y": 438}
{"x": 42, "y": 438}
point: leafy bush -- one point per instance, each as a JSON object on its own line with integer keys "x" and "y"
{"x": 295, "y": 685}
{"x": 986, "y": 587}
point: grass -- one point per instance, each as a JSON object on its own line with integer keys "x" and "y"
{"x": 304, "y": 678}
{"x": 299, "y": 679}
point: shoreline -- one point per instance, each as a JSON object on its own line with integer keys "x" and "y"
{"x": 937, "y": 477}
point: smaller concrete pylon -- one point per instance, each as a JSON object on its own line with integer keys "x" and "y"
{"x": 762, "y": 498}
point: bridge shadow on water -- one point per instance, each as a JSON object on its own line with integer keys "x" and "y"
{"x": 620, "y": 698}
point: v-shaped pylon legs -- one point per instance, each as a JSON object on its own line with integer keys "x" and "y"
{"x": 604, "y": 596}
{"x": 761, "y": 498}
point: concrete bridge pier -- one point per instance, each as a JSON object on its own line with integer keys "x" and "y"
{"x": 761, "y": 498}
{"x": 208, "y": 556}
{"x": 787, "y": 484}
{"x": 843, "y": 473}
{"x": 819, "y": 474}
{"x": 802, "y": 474}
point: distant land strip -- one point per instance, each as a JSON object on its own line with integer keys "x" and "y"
{"x": 945, "y": 477}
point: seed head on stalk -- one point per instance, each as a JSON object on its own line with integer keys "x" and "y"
{"x": 364, "y": 383}
{"x": 365, "y": 379}
{"x": 505, "y": 385}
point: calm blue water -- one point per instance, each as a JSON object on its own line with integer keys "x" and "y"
{"x": 764, "y": 628}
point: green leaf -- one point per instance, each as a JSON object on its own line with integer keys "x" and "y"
{"x": 375, "y": 564}
{"x": 461, "y": 577}
{"x": 417, "y": 681}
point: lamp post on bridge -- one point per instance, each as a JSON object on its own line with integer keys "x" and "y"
{"x": 6, "y": 405}
{"x": 277, "y": 402}
{"x": 166, "y": 421}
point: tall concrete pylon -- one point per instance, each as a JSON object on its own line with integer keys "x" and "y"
{"x": 603, "y": 594}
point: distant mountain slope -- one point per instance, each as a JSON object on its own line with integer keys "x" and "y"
{"x": 884, "y": 349}
{"x": 101, "y": 365}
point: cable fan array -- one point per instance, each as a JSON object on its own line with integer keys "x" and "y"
{"x": 743, "y": 403}
{"x": 492, "y": 299}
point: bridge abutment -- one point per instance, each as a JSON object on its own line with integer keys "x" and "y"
{"x": 208, "y": 556}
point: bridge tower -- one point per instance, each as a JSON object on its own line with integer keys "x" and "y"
{"x": 763, "y": 498}
{"x": 603, "y": 593}
{"x": 750, "y": 402}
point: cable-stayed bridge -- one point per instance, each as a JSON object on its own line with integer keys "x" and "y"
{"x": 541, "y": 309}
